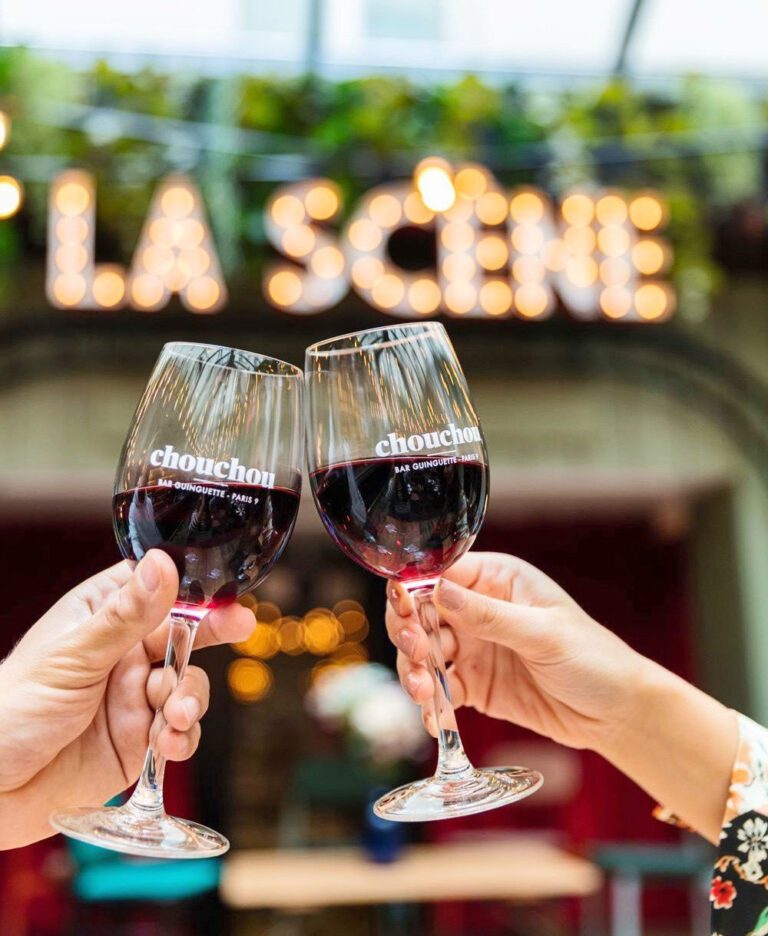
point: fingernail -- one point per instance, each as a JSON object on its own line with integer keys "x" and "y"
{"x": 192, "y": 708}
{"x": 450, "y": 596}
{"x": 412, "y": 683}
{"x": 406, "y": 641}
{"x": 149, "y": 573}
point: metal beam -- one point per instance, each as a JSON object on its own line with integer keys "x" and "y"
{"x": 620, "y": 67}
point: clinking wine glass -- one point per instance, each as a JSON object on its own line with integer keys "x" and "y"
{"x": 399, "y": 473}
{"x": 210, "y": 473}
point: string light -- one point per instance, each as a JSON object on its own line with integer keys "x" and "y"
{"x": 492, "y": 252}
{"x": 492, "y": 208}
{"x": 471, "y": 181}
{"x": 424, "y": 296}
{"x": 611, "y": 209}
{"x": 284, "y": 287}
{"x": 531, "y": 301}
{"x": 249, "y": 680}
{"x": 526, "y": 207}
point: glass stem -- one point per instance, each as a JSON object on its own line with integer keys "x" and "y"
{"x": 147, "y": 798}
{"x": 451, "y": 759}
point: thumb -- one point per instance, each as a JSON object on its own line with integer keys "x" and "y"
{"x": 522, "y": 628}
{"x": 129, "y": 614}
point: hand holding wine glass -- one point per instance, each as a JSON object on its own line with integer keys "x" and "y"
{"x": 210, "y": 474}
{"x": 78, "y": 694}
{"x": 399, "y": 473}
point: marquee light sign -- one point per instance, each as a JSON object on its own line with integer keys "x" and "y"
{"x": 498, "y": 253}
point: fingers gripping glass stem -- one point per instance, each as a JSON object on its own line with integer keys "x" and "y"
{"x": 451, "y": 759}
{"x": 148, "y": 795}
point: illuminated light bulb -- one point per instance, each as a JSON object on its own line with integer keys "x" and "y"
{"x": 531, "y": 300}
{"x": 460, "y": 297}
{"x": 492, "y": 208}
{"x": 581, "y": 271}
{"x": 5, "y": 128}
{"x": 321, "y": 203}
{"x": 287, "y": 210}
{"x": 71, "y": 258}
{"x": 69, "y": 288}
{"x": 651, "y": 301}
{"x": 385, "y": 210}
{"x": 322, "y": 634}
{"x": 157, "y": 260}
{"x": 284, "y": 287}
{"x": 11, "y": 195}
{"x": 327, "y": 262}
{"x": 72, "y": 230}
{"x": 202, "y": 294}
{"x": 424, "y": 296}
{"x": 72, "y": 198}
{"x": 613, "y": 241}
{"x": 364, "y": 234}
{"x": 249, "y": 680}
{"x": 188, "y": 234}
{"x": 291, "y": 636}
{"x": 457, "y": 236}
{"x": 195, "y": 261}
{"x": 435, "y": 185}
{"x": 354, "y": 623}
{"x": 648, "y": 256}
{"x": 177, "y": 202}
{"x": 611, "y": 209}
{"x": 347, "y": 604}
{"x": 527, "y": 239}
{"x": 146, "y": 291}
{"x": 471, "y": 182}
{"x": 578, "y": 209}
{"x": 350, "y": 653}
{"x": 615, "y": 272}
{"x": 262, "y": 642}
{"x": 647, "y": 212}
{"x": 615, "y": 302}
{"x": 459, "y": 266}
{"x": 492, "y": 252}
{"x": 580, "y": 240}
{"x": 526, "y": 208}
{"x": 161, "y": 231}
{"x": 298, "y": 241}
{"x": 555, "y": 255}
{"x": 108, "y": 288}
{"x": 366, "y": 271}
{"x": 387, "y": 291}
{"x": 267, "y": 612}
{"x": 495, "y": 297}
{"x": 416, "y": 211}
{"x": 528, "y": 270}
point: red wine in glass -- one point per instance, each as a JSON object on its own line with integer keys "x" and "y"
{"x": 398, "y": 470}
{"x": 210, "y": 473}
{"x": 223, "y": 537}
{"x": 404, "y": 518}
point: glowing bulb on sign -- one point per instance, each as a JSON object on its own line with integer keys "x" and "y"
{"x": 176, "y": 254}
{"x": 434, "y": 182}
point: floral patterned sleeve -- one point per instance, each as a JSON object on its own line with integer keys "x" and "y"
{"x": 739, "y": 892}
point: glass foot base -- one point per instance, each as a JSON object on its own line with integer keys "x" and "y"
{"x": 125, "y": 830}
{"x": 471, "y": 792}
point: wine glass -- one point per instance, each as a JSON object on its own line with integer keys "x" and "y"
{"x": 399, "y": 473}
{"x": 210, "y": 473}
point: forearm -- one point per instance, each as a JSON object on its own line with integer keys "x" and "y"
{"x": 679, "y": 746}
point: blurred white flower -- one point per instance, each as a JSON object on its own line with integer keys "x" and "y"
{"x": 368, "y": 701}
